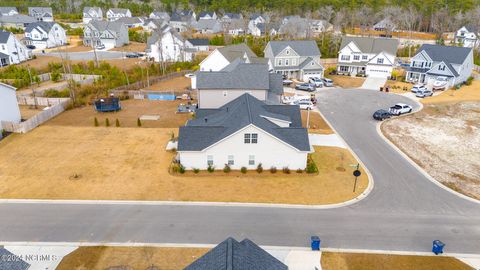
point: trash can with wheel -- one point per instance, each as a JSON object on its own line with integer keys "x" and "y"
{"x": 437, "y": 247}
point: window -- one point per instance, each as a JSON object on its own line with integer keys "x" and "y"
{"x": 247, "y": 138}
{"x": 3, "y": 47}
{"x": 364, "y": 57}
{"x": 250, "y": 138}
{"x": 345, "y": 57}
{"x": 441, "y": 67}
{"x": 344, "y": 68}
{"x": 287, "y": 52}
{"x": 356, "y": 57}
{"x": 251, "y": 160}
{"x": 286, "y": 62}
{"x": 379, "y": 60}
{"x": 231, "y": 160}
{"x": 210, "y": 160}
{"x": 280, "y": 62}
{"x": 294, "y": 62}
{"x": 254, "y": 137}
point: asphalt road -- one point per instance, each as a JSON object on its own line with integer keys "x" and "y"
{"x": 405, "y": 211}
{"x": 102, "y": 55}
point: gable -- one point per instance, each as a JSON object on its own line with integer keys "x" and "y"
{"x": 443, "y": 68}
{"x": 387, "y": 59}
{"x": 288, "y": 51}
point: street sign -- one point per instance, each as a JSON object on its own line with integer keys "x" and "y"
{"x": 357, "y": 173}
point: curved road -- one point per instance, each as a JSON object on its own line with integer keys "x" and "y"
{"x": 405, "y": 211}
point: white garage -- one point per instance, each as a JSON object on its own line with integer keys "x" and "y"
{"x": 378, "y": 71}
{"x": 311, "y": 74}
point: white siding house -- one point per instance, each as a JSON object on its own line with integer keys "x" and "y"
{"x": 166, "y": 45}
{"x": 111, "y": 34}
{"x": 12, "y": 51}
{"x": 8, "y": 11}
{"x": 92, "y": 13}
{"x": 116, "y": 13}
{"x": 41, "y": 13}
{"x": 467, "y": 36}
{"x": 221, "y": 57}
{"x": 9, "y": 110}
{"x": 45, "y": 35}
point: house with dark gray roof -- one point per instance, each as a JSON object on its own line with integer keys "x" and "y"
{"x": 182, "y": 20}
{"x": 198, "y": 44}
{"x": 116, "y": 13}
{"x": 10, "y": 261}
{"x": 228, "y": 17}
{"x": 244, "y": 132}
{"x": 467, "y": 36}
{"x": 8, "y": 11}
{"x": 216, "y": 88}
{"x": 41, "y": 13}
{"x": 234, "y": 255}
{"x": 207, "y": 15}
{"x": 92, "y": 13}
{"x": 299, "y": 59}
{"x": 207, "y": 26}
{"x": 45, "y": 35}
{"x": 159, "y": 15}
{"x": 455, "y": 64}
{"x": 16, "y": 21}
{"x": 111, "y": 34}
{"x": 367, "y": 56}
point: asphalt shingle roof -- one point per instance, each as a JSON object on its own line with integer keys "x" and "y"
{"x": 233, "y": 52}
{"x": 372, "y": 45}
{"x": 8, "y": 261}
{"x": 17, "y": 18}
{"x": 119, "y": 10}
{"x": 198, "y": 41}
{"x": 6, "y": 10}
{"x": 447, "y": 54}
{"x": 237, "y": 75}
{"x": 301, "y": 47}
{"x": 44, "y": 10}
{"x": 101, "y": 26}
{"x": 4, "y": 35}
{"x": 46, "y": 26}
{"x": 214, "y": 125}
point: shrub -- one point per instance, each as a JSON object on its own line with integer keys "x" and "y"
{"x": 210, "y": 169}
{"x": 243, "y": 170}
{"x": 175, "y": 167}
{"x": 286, "y": 170}
{"x": 299, "y": 171}
{"x": 259, "y": 168}
{"x": 311, "y": 166}
{"x": 107, "y": 122}
{"x": 139, "y": 123}
{"x": 56, "y": 94}
{"x": 117, "y": 123}
{"x": 226, "y": 169}
{"x": 469, "y": 81}
{"x": 95, "y": 122}
{"x": 55, "y": 76}
{"x": 181, "y": 169}
{"x": 196, "y": 170}
{"x": 273, "y": 169}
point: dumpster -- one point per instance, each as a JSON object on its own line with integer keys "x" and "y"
{"x": 315, "y": 242}
{"x": 437, "y": 247}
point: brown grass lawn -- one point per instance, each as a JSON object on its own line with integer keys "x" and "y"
{"x": 358, "y": 261}
{"x": 131, "y": 111}
{"x": 317, "y": 123}
{"x": 177, "y": 83}
{"x": 101, "y": 258}
{"x": 132, "y": 47}
{"x": 397, "y": 87}
{"x": 64, "y": 162}
{"x": 28, "y": 111}
{"x": 465, "y": 93}
{"x": 403, "y": 34}
{"x": 346, "y": 81}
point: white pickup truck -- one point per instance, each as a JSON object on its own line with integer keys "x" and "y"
{"x": 400, "y": 108}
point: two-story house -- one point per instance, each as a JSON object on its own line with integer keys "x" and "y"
{"x": 110, "y": 34}
{"x": 16, "y": 20}
{"x": 12, "y": 51}
{"x": 92, "y": 13}
{"x": 116, "y": 13}
{"x": 207, "y": 15}
{"x": 299, "y": 59}
{"x": 228, "y": 17}
{"x": 453, "y": 63}
{"x": 41, "y": 13}
{"x": 207, "y": 26}
{"x": 467, "y": 36}
{"x": 8, "y": 11}
{"x": 183, "y": 20}
{"x": 366, "y": 56}
{"x": 45, "y": 35}
{"x": 244, "y": 132}
{"x": 159, "y": 15}
{"x": 222, "y": 57}
{"x": 167, "y": 45}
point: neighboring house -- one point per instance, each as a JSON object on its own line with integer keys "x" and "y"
{"x": 207, "y": 26}
{"x": 10, "y": 112}
{"x": 41, "y": 13}
{"x": 10, "y": 261}
{"x": 234, "y": 255}
{"x": 217, "y": 88}
{"x": 244, "y": 132}
{"x": 167, "y": 45}
{"x": 261, "y": 29}
{"x": 234, "y": 27}
{"x": 187, "y": 13}
{"x": 198, "y": 44}
{"x": 467, "y": 36}
{"x": 298, "y": 59}
{"x": 92, "y": 13}
{"x": 16, "y": 21}
{"x": 385, "y": 25}
{"x": 44, "y": 35}
{"x": 318, "y": 27}
{"x": 433, "y": 61}
{"x": 255, "y": 20}
{"x": 222, "y": 57}
{"x": 206, "y": 15}
{"x": 132, "y": 22}
{"x": 182, "y": 21}
{"x": 159, "y": 15}
{"x": 153, "y": 24}
{"x": 8, "y": 11}
{"x": 365, "y": 56}
{"x": 117, "y": 13}
{"x": 12, "y": 51}
{"x": 228, "y": 17}
{"x": 111, "y": 34}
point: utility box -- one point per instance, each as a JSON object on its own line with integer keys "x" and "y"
{"x": 315, "y": 242}
{"x": 437, "y": 247}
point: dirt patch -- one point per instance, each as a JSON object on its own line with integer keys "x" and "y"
{"x": 132, "y": 47}
{"x": 101, "y": 258}
{"x": 465, "y": 93}
{"x": 28, "y": 111}
{"x": 398, "y": 87}
{"x": 443, "y": 139}
{"x": 358, "y": 261}
{"x": 346, "y": 81}
{"x": 131, "y": 111}
{"x": 317, "y": 123}
{"x": 41, "y": 62}
{"x": 177, "y": 83}
{"x": 64, "y": 162}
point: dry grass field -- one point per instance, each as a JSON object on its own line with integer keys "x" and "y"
{"x": 346, "y": 81}
{"x": 101, "y": 258}
{"x": 28, "y": 111}
{"x": 177, "y": 83}
{"x": 359, "y": 261}
{"x": 465, "y": 93}
{"x": 66, "y": 162}
{"x": 317, "y": 123}
{"x": 132, "y": 47}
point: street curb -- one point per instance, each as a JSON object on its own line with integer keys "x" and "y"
{"x": 414, "y": 164}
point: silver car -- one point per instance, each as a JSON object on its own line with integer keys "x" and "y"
{"x": 424, "y": 93}
{"x": 306, "y": 87}
{"x": 327, "y": 82}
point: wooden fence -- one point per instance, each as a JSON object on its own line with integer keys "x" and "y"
{"x": 40, "y": 101}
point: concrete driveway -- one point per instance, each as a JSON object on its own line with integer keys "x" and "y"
{"x": 405, "y": 211}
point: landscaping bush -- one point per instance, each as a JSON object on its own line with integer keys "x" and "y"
{"x": 469, "y": 81}
{"x": 196, "y": 170}
{"x": 95, "y": 122}
{"x": 243, "y": 170}
{"x": 226, "y": 169}
{"x": 181, "y": 169}
{"x": 286, "y": 170}
{"x": 139, "y": 123}
{"x": 299, "y": 171}
{"x": 259, "y": 168}
{"x": 55, "y": 76}
{"x": 52, "y": 93}
{"x": 107, "y": 122}
{"x": 311, "y": 166}
{"x": 273, "y": 169}
{"x": 117, "y": 123}
{"x": 210, "y": 169}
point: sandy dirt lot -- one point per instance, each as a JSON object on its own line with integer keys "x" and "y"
{"x": 465, "y": 93}
{"x": 346, "y": 81}
{"x": 41, "y": 63}
{"x": 29, "y": 111}
{"x": 444, "y": 139}
{"x": 65, "y": 162}
{"x": 132, "y": 47}
{"x": 131, "y": 111}
{"x": 177, "y": 83}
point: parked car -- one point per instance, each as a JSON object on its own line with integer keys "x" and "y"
{"x": 400, "y": 108}
{"x": 440, "y": 83}
{"x": 418, "y": 87}
{"x": 424, "y": 93}
{"x": 381, "y": 115}
{"x": 100, "y": 47}
{"x": 190, "y": 75}
{"x": 316, "y": 81}
{"x": 287, "y": 82}
{"x": 132, "y": 55}
{"x": 327, "y": 82}
{"x": 304, "y": 104}
{"x": 31, "y": 47}
{"x": 306, "y": 87}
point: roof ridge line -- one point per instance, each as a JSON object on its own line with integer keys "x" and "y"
{"x": 248, "y": 109}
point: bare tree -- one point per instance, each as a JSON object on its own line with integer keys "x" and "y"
{"x": 366, "y": 18}
{"x": 409, "y": 20}
{"x": 392, "y": 15}
{"x": 340, "y": 20}
{"x": 326, "y": 13}
{"x": 439, "y": 22}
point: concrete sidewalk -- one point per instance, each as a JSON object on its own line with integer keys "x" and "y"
{"x": 326, "y": 140}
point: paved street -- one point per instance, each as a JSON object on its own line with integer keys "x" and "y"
{"x": 102, "y": 55}
{"x": 405, "y": 211}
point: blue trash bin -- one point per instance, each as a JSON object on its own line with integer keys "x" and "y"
{"x": 315, "y": 242}
{"x": 437, "y": 247}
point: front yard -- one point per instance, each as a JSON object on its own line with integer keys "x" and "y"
{"x": 346, "y": 81}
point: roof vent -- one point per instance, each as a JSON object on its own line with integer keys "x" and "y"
{"x": 206, "y": 120}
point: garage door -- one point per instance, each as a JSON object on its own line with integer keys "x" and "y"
{"x": 308, "y": 75}
{"x": 378, "y": 72}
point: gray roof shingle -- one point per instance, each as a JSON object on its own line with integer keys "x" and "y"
{"x": 4, "y": 35}
{"x": 13, "y": 263}
{"x": 447, "y": 54}
{"x": 17, "y": 18}
{"x": 237, "y": 75}
{"x": 6, "y": 10}
{"x": 372, "y": 45}
{"x": 302, "y": 47}
{"x": 234, "y": 255}
{"x": 198, "y": 41}
{"x": 233, "y": 52}
{"x": 46, "y": 26}
{"x": 213, "y": 125}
